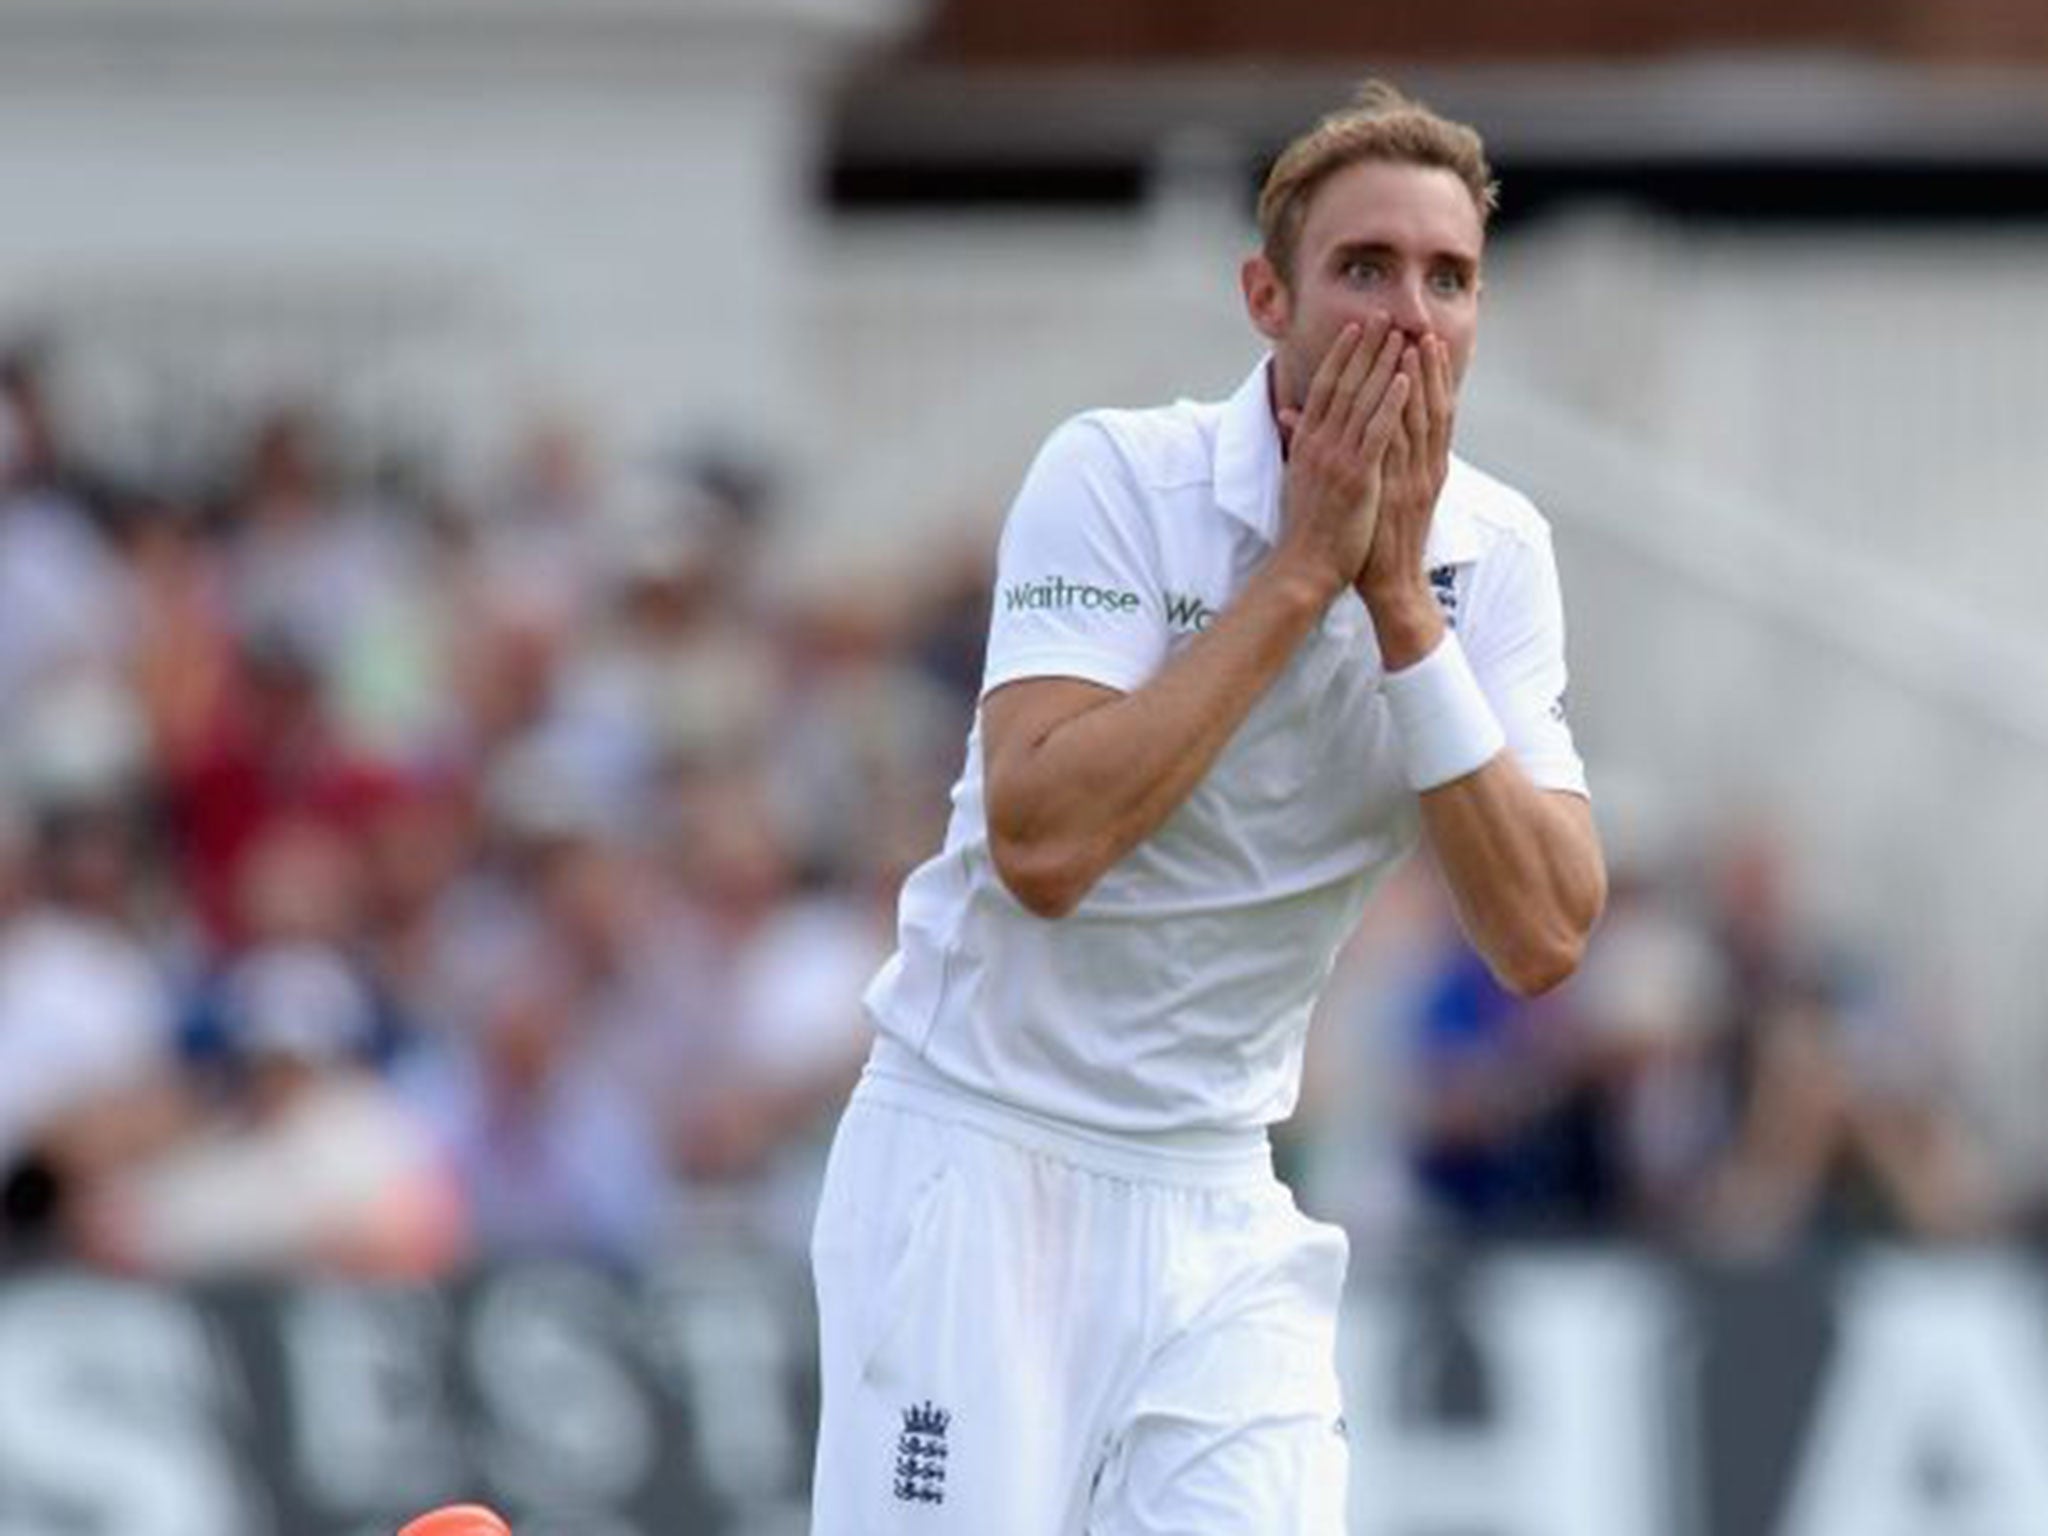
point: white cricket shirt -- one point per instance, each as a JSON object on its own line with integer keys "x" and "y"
{"x": 1176, "y": 997}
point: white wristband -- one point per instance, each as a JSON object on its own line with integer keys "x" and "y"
{"x": 1447, "y": 728}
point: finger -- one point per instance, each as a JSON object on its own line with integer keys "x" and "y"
{"x": 1443, "y": 405}
{"x": 1357, "y": 369}
{"x": 1386, "y": 364}
{"x": 1383, "y": 429}
{"x": 1415, "y": 419}
{"x": 1395, "y": 463}
{"x": 1404, "y": 446}
{"x": 1372, "y": 333}
{"x": 1423, "y": 424}
{"x": 1371, "y": 384}
{"x": 1324, "y": 384}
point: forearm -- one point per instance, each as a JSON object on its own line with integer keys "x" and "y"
{"x": 1524, "y": 870}
{"x": 1073, "y": 793}
{"x": 1523, "y": 864}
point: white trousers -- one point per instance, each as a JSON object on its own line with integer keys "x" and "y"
{"x": 1030, "y": 1331}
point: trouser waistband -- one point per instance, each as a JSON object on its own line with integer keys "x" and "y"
{"x": 896, "y": 1076}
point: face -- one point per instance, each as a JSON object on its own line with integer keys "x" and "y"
{"x": 1379, "y": 238}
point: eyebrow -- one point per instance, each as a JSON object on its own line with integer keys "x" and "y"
{"x": 1349, "y": 249}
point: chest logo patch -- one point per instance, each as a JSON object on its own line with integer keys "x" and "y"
{"x": 1443, "y": 582}
{"x": 921, "y": 1455}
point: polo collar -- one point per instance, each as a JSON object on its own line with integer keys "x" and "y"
{"x": 1248, "y": 462}
{"x": 1249, "y": 466}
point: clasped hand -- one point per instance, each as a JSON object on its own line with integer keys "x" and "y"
{"x": 1368, "y": 453}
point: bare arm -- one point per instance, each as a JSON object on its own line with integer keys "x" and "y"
{"x": 1523, "y": 864}
{"x": 1077, "y": 775}
{"x": 1524, "y": 870}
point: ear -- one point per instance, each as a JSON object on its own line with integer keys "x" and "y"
{"x": 1266, "y": 299}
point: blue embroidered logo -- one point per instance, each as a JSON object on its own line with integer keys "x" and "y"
{"x": 921, "y": 1455}
{"x": 1443, "y": 581}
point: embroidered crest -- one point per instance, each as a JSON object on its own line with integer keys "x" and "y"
{"x": 1443, "y": 581}
{"x": 921, "y": 1455}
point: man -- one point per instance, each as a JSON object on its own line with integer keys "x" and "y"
{"x": 1243, "y": 656}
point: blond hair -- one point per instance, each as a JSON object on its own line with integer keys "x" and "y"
{"x": 1383, "y": 124}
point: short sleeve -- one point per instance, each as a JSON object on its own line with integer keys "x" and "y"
{"x": 1513, "y": 635}
{"x": 1077, "y": 582}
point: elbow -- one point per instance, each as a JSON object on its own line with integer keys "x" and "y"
{"x": 1539, "y": 967}
{"x": 1045, "y": 882}
{"x": 1545, "y": 959}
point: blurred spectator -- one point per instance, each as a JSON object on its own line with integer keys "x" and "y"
{"x": 1713, "y": 1076}
{"x": 682, "y": 667}
{"x": 80, "y": 741}
{"x": 1347, "y": 1149}
{"x": 185, "y": 665}
{"x": 546, "y": 1003}
{"x": 780, "y": 1033}
{"x": 64, "y": 602}
{"x": 338, "y": 576}
{"x": 314, "y": 1166}
{"x": 416, "y": 846}
{"x": 1844, "y": 1116}
{"x": 951, "y": 636}
{"x": 33, "y": 457}
{"x": 865, "y": 748}
{"x": 538, "y": 538}
{"x": 1850, "y": 1123}
{"x": 14, "y": 855}
{"x": 552, "y": 1155}
{"x": 565, "y": 890}
{"x": 1651, "y": 1006}
{"x": 503, "y": 677}
{"x": 271, "y": 755}
{"x": 87, "y": 1016}
{"x": 1508, "y": 1133}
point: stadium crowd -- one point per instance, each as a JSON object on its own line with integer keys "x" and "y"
{"x": 393, "y": 877}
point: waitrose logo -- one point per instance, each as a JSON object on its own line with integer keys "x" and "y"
{"x": 1185, "y": 611}
{"x": 1056, "y": 592}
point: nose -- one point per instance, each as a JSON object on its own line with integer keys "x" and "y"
{"x": 1408, "y": 307}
